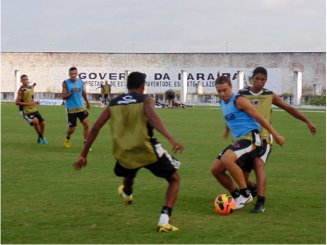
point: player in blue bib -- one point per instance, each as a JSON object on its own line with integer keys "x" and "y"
{"x": 73, "y": 93}
{"x": 242, "y": 120}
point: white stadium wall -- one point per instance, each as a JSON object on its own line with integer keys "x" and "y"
{"x": 163, "y": 71}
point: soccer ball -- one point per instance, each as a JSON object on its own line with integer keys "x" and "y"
{"x": 224, "y": 204}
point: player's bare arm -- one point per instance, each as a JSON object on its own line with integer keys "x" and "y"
{"x": 156, "y": 122}
{"x": 227, "y": 131}
{"x": 85, "y": 98}
{"x": 277, "y": 101}
{"x": 244, "y": 104}
{"x": 82, "y": 161}
{"x": 19, "y": 102}
{"x": 64, "y": 94}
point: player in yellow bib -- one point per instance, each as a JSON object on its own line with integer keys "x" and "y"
{"x": 25, "y": 99}
{"x": 106, "y": 92}
{"x": 132, "y": 120}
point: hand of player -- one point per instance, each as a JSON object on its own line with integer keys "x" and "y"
{"x": 35, "y": 103}
{"x": 75, "y": 90}
{"x": 177, "y": 147}
{"x": 312, "y": 128}
{"x": 87, "y": 105}
{"x": 80, "y": 163}
{"x": 280, "y": 140}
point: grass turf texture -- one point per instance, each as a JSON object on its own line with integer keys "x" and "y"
{"x": 45, "y": 201}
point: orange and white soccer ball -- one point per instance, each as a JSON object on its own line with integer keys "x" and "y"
{"x": 224, "y": 204}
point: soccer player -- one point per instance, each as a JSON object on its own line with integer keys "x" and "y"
{"x": 242, "y": 120}
{"x": 132, "y": 121}
{"x": 106, "y": 92}
{"x": 263, "y": 99}
{"x": 101, "y": 93}
{"x": 73, "y": 91}
{"x": 25, "y": 99}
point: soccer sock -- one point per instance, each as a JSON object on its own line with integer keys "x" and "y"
{"x": 235, "y": 193}
{"x": 127, "y": 191}
{"x": 254, "y": 186}
{"x": 245, "y": 192}
{"x": 253, "y": 190}
{"x": 40, "y": 135}
{"x": 261, "y": 200}
{"x": 165, "y": 214}
{"x": 68, "y": 137}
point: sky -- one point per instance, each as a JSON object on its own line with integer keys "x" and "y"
{"x": 167, "y": 26}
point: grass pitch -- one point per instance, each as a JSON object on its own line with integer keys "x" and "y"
{"x": 45, "y": 201}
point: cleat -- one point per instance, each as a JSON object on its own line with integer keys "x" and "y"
{"x": 126, "y": 199}
{"x": 166, "y": 228}
{"x": 241, "y": 201}
{"x": 39, "y": 140}
{"x": 44, "y": 141}
{"x": 258, "y": 208}
{"x": 67, "y": 143}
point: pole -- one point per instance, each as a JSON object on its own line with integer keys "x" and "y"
{"x": 127, "y": 72}
{"x": 183, "y": 86}
{"x": 240, "y": 80}
{"x": 17, "y": 83}
{"x": 298, "y": 88}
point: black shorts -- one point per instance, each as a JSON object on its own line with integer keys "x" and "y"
{"x": 241, "y": 148}
{"x": 31, "y": 116}
{"x": 163, "y": 168}
{"x": 106, "y": 96}
{"x": 261, "y": 152}
{"x": 72, "y": 118}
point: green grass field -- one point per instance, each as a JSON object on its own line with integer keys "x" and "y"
{"x": 45, "y": 201}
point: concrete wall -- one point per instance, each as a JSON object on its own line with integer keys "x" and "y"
{"x": 48, "y": 70}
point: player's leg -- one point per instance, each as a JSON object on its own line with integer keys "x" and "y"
{"x": 83, "y": 117}
{"x": 251, "y": 184}
{"x": 261, "y": 180}
{"x": 218, "y": 170}
{"x": 261, "y": 177}
{"x": 42, "y": 127}
{"x": 229, "y": 160}
{"x": 232, "y": 160}
{"x": 36, "y": 125}
{"x": 126, "y": 189}
{"x": 172, "y": 190}
{"x": 71, "y": 129}
{"x": 72, "y": 123}
{"x": 85, "y": 128}
{"x": 166, "y": 167}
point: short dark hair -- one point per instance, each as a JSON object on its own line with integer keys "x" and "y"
{"x": 22, "y": 76}
{"x": 222, "y": 80}
{"x": 135, "y": 80}
{"x": 73, "y": 68}
{"x": 260, "y": 70}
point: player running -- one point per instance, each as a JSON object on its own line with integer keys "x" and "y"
{"x": 132, "y": 121}
{"x": 25, "y": 100}
{"x": 263, "y": 99}
{"x": 73, "y": 91}
{"x": 242, "y": 120}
